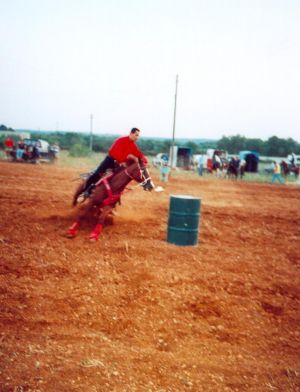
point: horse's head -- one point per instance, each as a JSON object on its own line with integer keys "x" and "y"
{"x": 147, "y": 183}
{"x": 138, "y": 172}
{"x": 284, "y": 165}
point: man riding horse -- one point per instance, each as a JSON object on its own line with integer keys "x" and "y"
{"x": 122, "y": 149}
{"x": 107, "y": 193}
{"x": 288, "y": 168}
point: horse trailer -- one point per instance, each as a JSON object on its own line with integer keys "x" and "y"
{"x": 182, "y": 157}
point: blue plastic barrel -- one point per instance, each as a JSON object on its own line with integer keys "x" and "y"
{"x": 183, "y": 223}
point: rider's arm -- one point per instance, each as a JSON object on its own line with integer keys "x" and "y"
{"x": 138, "y": 153}
{"x": 131, "y": 156}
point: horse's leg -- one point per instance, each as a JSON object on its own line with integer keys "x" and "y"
{"x": 236, "y": 174}
{"x": 84, "y": 211}
{"x": 72, "y": 232}
{"x": 99, "y": 226}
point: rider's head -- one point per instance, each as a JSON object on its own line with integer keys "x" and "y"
{"x": 134, "y": 134}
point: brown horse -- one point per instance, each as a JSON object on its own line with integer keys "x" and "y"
{"x": 107, "y": 194}
{"x": 288, "y": 168}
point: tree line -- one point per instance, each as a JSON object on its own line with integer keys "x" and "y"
{"x": 274, "y": 146}
{"x": 80, "y": 142}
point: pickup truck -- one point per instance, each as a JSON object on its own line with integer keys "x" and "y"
{"x": 46, "y": 151}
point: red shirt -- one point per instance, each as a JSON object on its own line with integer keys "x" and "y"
{"x": 9, "y": 143}
{"x": 124, "y": 146}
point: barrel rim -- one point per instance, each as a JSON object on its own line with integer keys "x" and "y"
{"x": 186, "y": 197}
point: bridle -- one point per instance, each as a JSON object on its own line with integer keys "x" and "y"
{"x": 137, "y": 179}
{"x": 142, "y": 180}
{"x": 146, "y": 179}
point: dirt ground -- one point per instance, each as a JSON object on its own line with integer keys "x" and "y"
{"x": 132, "y": 312}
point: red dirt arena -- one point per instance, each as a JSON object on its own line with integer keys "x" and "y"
{"x": 132, "y": 312}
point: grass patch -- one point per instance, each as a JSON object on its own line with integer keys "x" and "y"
{"x": 86, "y": 163}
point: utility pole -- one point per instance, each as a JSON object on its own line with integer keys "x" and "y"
{"x": 91, "y": 132}
{"x": 174, "y": 122}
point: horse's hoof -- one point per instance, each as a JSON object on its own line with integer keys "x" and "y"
{"x": 71, "y": 234}
{"x": 96, "y": 232}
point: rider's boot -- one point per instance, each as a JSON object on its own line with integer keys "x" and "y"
{"x": 90, "y": 185}
{"x": 72, "y": 232}
{"x": 84, "y": 191}
{"x": 77, "y": 193}
{"x": 96, "y": 232}
{"x": 88, "y": 191}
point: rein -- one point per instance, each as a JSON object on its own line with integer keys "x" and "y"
{"x": 139, "y": 183}
{"x": 133, "y": 178}
{"x": 142, "y": 183}
{"x": 129, "y": 175}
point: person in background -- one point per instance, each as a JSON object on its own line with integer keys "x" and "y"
{"x": 293, "y": 159}
{"x": 20, "y": 150}
{"x": 164, "y": 171}
{"x": 277, "y": 173}
{"x": 217, "y": 163}
{"x": 35, "y": 154}
{"x": 200, "y": 165}
{"x": 122, "y": 149}
{"x": 9, "y": 145}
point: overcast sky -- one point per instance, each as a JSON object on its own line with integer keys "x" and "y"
{"x": 238, "y": 64}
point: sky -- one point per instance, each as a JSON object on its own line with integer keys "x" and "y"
{"x": 237, "y": 61}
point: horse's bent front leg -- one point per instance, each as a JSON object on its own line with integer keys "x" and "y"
{"x": 72, "y": 232}
{"x": 94, "y": 236}
{"x": 84, "y": 211}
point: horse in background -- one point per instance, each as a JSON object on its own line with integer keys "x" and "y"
{"x": 218, "y": 165}
{"x": 236, "y": 168}
{"x": 288, "y": 168}
{"x": 242, "y": 168}
{"x": 233, "y": 168}
{"x": 107, "y": 194}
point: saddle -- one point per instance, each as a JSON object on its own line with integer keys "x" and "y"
{"x": 88, "y": 190}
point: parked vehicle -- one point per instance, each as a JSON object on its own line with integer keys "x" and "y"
{"x": 34, "y": 151}
{"x": 252, "y": 160}
{"x": 46, "y": 151}
{"x": 182, "y": 157}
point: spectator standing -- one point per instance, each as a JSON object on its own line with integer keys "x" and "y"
{"x": 20, "y": 150}
{"x": 9, "y": 145}
{"x": 277, "y": 173}
{"x": 164, "y": 171}
{"x": 200, "y": 165}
